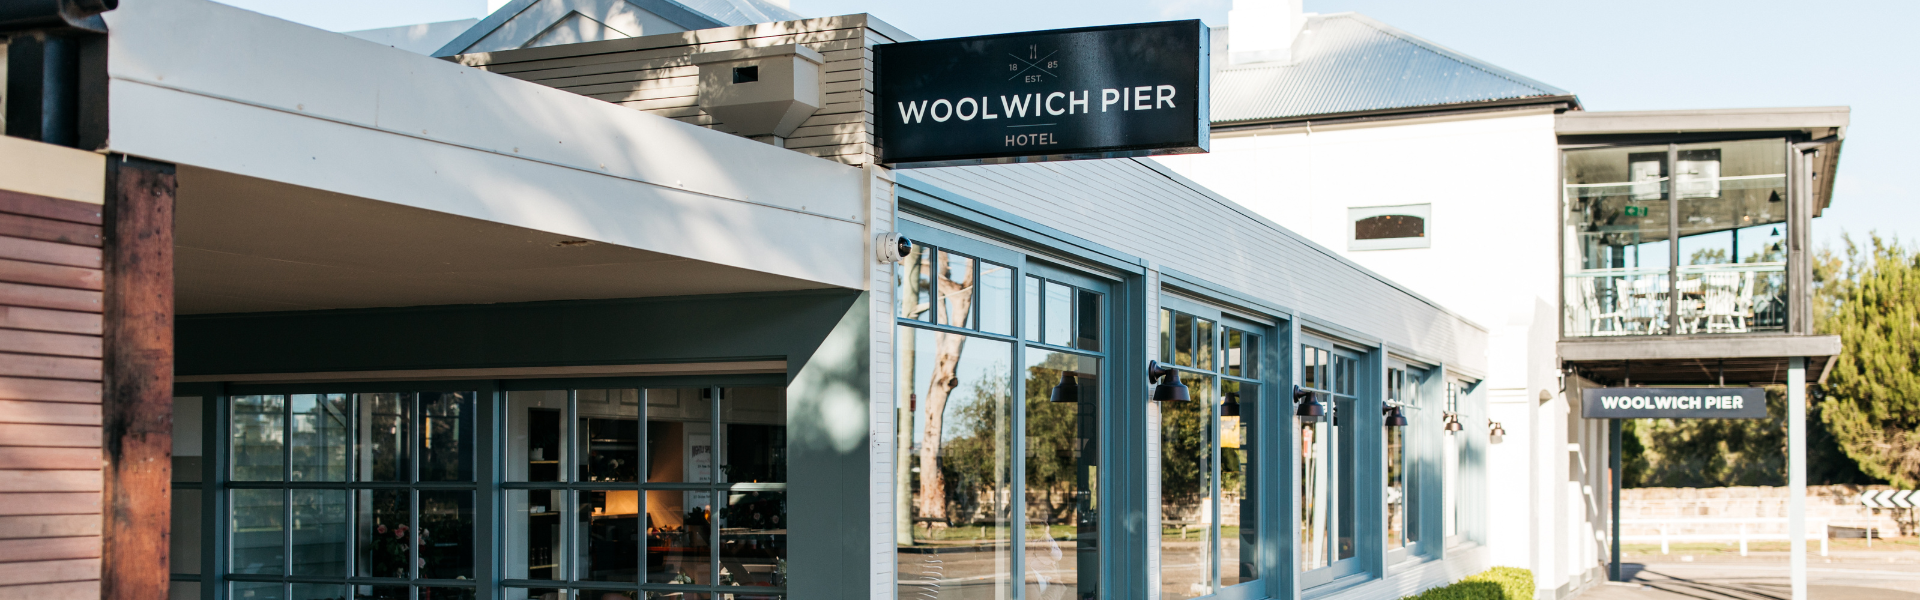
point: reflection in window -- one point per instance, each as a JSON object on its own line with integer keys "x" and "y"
{"x": 996, "y": 298}
{"x": 1239, "y": 502}
{"x": 953, "y": 279}
{"x": 913, "y": 290}
{"x": 1327, "y": 465}
{"x": 1450, "y": 454}
{"x": 1062, "y": 535}
{"x": 1187, "y": 540}
{"x": 185, "y": 533}
{"x": 960, "y": 454}
{"x": 1403, "y": 523}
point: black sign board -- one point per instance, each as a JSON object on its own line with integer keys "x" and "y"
{"x": 1095, "y": 92}
{"x": 1674, "y": 403}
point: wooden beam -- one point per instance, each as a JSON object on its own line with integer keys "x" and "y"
{"x": 138, "y": 396}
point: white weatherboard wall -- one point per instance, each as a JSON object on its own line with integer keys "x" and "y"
{"x": 384, "y": 124}
{"x": 1491, "y": 181}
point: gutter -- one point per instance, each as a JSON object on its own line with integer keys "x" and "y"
{"x": 1558, "y": 103}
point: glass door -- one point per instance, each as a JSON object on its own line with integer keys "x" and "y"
{"x": 1404, "y": 460}
{"x": 1329, "y": 462}
{"x": 1210, "y": 453}
{"x": 1001, "y": 366}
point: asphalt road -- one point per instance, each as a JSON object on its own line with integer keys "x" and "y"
{"x": 1757, "y": 580}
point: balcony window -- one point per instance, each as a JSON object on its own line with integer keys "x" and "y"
{"x": 1676, "y": 239}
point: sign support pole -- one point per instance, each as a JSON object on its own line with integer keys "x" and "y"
{"x": 1797, "y": 472}
{"x": 1613, "y": 472}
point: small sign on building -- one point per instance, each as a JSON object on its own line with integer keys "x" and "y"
{"x": 1674, "y": 403}
{"x": 1094, "y": 92}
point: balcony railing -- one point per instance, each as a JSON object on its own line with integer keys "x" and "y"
{"x": 1713, "y": 299}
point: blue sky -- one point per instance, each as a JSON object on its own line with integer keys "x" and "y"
{"x": 1617, "y": 55}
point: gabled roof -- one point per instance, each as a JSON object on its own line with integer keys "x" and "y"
{"x": 1347, "y": 63}
{"x": 521, "y": 22}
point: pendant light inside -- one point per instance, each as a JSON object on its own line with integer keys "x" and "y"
{"x": 1068, "y": 389}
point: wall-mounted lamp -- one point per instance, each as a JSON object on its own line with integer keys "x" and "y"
{"x": 1231, "y": 408}
{"x": 1453, "y": 424}
{"x": 1170, "y": 389}
{"x": 1394, "y": 418}
{"x": 1068, "y": 390}
{"x": 1310, "y": 410}
{"x": 1496, "y": 433}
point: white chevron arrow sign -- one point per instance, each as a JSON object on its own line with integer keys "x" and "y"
{"x": 1890, "y": 499}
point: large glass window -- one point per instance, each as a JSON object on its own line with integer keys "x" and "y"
{"x": 655, "y": 493}
{"x": 1000, "y": 384}
{"x": 1328, "y": 461}
{"x": 1403, "y": 466}
{"x": 1722, "y": 203}
{"x": 1209, "y": 506}
{"x": 185, "y": 533}
{"x": 329, "y": 490}
{"x": 1451, "y": 453}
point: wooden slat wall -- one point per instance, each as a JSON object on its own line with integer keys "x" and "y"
{"x": 50, "y": 411}
{"x": 655, "y": 74}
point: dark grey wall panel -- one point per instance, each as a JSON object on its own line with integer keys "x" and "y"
{"x": 596, "y": 332}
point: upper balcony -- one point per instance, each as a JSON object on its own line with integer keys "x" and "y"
{"x": 1691, "y": 226}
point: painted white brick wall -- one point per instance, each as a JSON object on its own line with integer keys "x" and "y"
{"x": 882, "y": 444}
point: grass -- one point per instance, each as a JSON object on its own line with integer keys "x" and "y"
{"x": 1498, "y": 583}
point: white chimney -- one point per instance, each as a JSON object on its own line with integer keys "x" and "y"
{"x": 1263, "y": 30}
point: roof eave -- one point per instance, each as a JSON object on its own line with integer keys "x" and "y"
{"x": 1559, "y": 103}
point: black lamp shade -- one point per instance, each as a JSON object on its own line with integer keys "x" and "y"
{"x": 1170, "y": 389}
{"x": 1231, "y": 408}
{"x": 1394, "y": 418}
{"x": 1068, "y": 390}
{"x": 1310, "y": 410}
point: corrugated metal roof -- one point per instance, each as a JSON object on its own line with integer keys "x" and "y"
{"x": 1347, "y": 62}
{"x": 740, "y": 12}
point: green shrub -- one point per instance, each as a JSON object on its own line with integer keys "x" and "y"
{"x": 1498, "y": 583}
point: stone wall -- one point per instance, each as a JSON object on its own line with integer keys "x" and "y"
{"x": 1839, "y": 505}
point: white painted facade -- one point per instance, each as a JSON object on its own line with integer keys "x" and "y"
{"x": 1490, "y": 180}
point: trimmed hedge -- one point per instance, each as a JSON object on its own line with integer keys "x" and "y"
{"x": 1498, "y": 583}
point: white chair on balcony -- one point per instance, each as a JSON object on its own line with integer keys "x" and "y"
{"x": 1722, "y": 309}
{"x": 1600, "y": 322}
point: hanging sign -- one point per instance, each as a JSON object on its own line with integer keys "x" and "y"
{"x": 1095, "y": 92}
{"x": 1674, "y": 403}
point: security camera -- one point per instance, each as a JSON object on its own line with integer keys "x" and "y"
{"x": 893, "y": 247}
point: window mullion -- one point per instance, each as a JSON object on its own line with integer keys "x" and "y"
{"x": 570, "y": 440}
{"x": 417, "y": 419}
{"x": 1673, "y": 239}
{"x": 286, "y": 476}
{"x": 714, "y": 495}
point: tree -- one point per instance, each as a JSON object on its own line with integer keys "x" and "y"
{"x": 954, "y": 301}
{"x": 1872, "y": 396}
